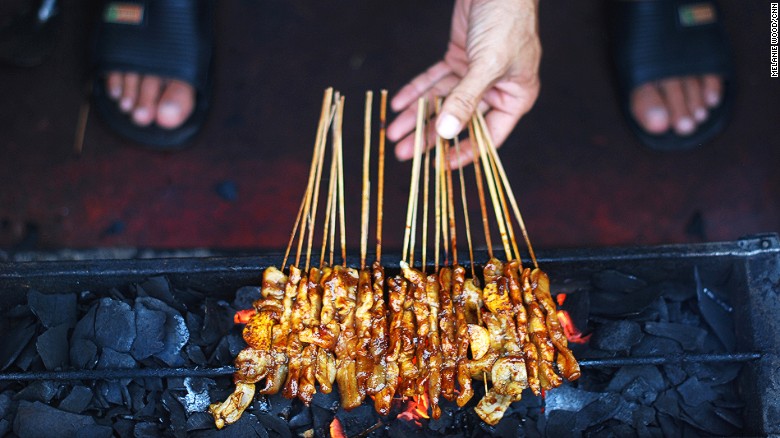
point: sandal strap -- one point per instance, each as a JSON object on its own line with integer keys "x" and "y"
{"x": 655, "y": 39}
{"x": 169, "y": 38}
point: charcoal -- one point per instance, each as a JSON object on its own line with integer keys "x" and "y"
{"x": 123, "y": 427}
{"x": 150, "y": 326}
{"x": 624, "y": 411}
{"x": 643, "y": 415}
{"x": 656, "y": 346}
{"x": 217, "y": 320}
{"x": 508, "y": 426}
{"x": 176, "y": 414}
{"x": 616, "y": 335}
{"x": 85, "y": 327}
{"x": 83, "y": 353}
{"x": 246, "y": 427}
{"x": 695, "y": 392}
{"x": 195, "y": 353}
{"x": 404, "y": 429}
{"x": 281, "y": 406}
{"x": 196, "y": 397}
{"x": 77, "y": 400}
{"x": 109, "y": 393}
{"x": 111, "y": 359}
{"x": 275, "y": 424}
{"x": 718, "y": 318}
{"x": 53, "y": 309}
{"x": 656, "y": 311}
{"x": 640, "y": 391}
{"x": 358, "y": 420}
{"x": 245, "y": 296}
{"x": 95, "y": 431}
{"x": 194, "y": 325}
{"x": 327, "y": 401}
{"x": 14, "y": 341}
{"x": 689, "y": 337}
{"x": 200, "y": 421}
{"x": 668, "y": 425}
{"x": 301, "y": 420}
{"x": 703, "y": 417}
{"x": 29, "y": 358}
{"x": 675, "y": 374}
{"x": 730, "y": 416}
{"x": 598, "y": 411}
{"x": 6, "y": 403}
{"x": 562, "y": 423}
{"x": 52, "y": 346}
{"x": 5, "y": 426}
{"x": 146, "y": 429}
{"x": 444, "y": 421}
{"x": 159, "y": 288}
{"x": 176, "y": 332}
{"x": 626, "y": 375}
{"x": 668, "y": 403}
{"x": 675, "y": 291}
{"x": 614, "y": 281}
{"x": 568, "y": 398}
{"x": 321, "y": 418}
{"x": 114, "y": 325}
{"x": 235, "y": 340}
{"x": 713, "y": 373}
{"x": 38, "y": 391}
{"x": 36, "y": 419}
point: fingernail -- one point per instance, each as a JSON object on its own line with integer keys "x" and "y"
{"x": 657, "y": 118}
{"x": 685, "y": 125}
{"x": 447, "y": 126}
{"x": 713, "y": 98}
{"x": 126, "y": 104}
{"x": 700, "y": 114}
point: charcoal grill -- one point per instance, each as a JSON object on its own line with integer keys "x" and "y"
{"x": 747, "y": 269}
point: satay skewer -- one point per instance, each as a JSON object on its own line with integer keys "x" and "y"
{"x": 480, "y": 189}
{"x": 366, "y": 195}
{"x": 408, "y": 235}
{"x": 338, "y": 145}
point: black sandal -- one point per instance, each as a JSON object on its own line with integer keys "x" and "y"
{"x": 655, "y": 39}
{"x": 166, "y": 38}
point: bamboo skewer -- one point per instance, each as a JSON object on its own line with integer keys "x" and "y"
{"x": 450, "y": 205}
{"x": 328, "y": 210}
{"x": 381, "y": 173}
{"x": 465, "y": 211}
{"x": 512, "y": 199}
{"x": 501, "y": 197}
{"x": 480, "y": 189}
{"x": 366, "y": 183}
{"x": 338, "y": 144}
{"x": 408, "y": 235}
{"x": 437, "y": 201}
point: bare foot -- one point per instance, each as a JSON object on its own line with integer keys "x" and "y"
{"x": 677, "y": 103}
{"x": 151, "y": 99}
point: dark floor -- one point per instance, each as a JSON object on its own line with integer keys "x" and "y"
{"x": 581, "y": 177}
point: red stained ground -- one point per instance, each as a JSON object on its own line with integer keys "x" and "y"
{"x": 581, "y": 178}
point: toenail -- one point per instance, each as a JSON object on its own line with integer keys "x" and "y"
{"x": 685, "y": 125}
{"x": 141, "y": 115}
{"x": 115, "y": 92}
{"x": 169, "y": 110}
{"x": 126, "y": 104}
{"x": 700, "y": 114}
{"x": 657, "y": 118}
{"x": 713, "y": 98}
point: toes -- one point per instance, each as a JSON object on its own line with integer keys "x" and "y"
{"x": 114, "y": 82}
{"x": 176, "y": 104}
{"x": 674, "y": 96}
{"x": 692, "y": 87}
{"x": 146, "y": 106}
{"x": 712, "y": 90}
{"x": 648, "y": 109}
{"x": 130, "y": 83}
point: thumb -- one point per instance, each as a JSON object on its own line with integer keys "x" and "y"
{"x": 461, "y": 103}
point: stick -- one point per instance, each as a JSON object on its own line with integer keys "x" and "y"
{"x": 328, "y": 207}
{"x": 321, "y": 131}
{"x": 366, "y": 182}
{"x": 415, "y": 176}
{"x": 513, "y": 201}
{"x": 492, "y": 189}
{"x": 381, "y": 174}
{"x": 450, "y": 204}
{"x": 480, "y": 189}
{"x": 437, "y": 197}
{"x": 340, "y": 149}
{"x": 426, "y": 182}
{"x": 465, "y": 210}
{"x": 315, "y": 199}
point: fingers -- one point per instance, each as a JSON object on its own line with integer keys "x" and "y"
{"x": 419, "y": 86}
{"x": 462, "y": 103}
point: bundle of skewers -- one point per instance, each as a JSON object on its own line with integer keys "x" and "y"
{"x": 428, "y": 331}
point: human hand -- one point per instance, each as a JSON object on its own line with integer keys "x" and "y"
{"x": 491, "y": 65}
